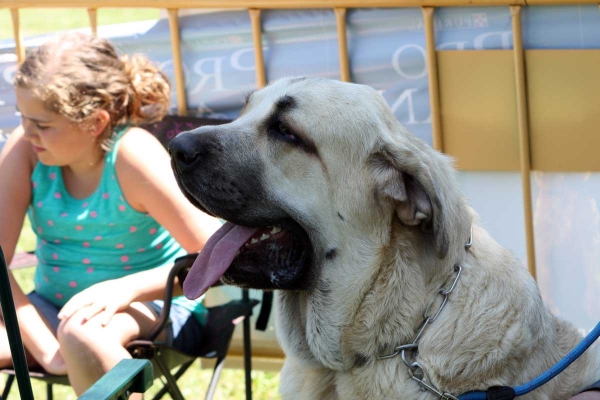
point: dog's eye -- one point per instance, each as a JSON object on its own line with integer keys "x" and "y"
{"x": 279, "y": 129}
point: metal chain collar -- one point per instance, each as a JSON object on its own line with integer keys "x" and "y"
{"x": 415, "y": 370}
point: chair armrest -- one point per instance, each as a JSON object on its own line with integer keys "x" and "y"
{"x": 128, "y": 376}
{"x": 179, "y": 270}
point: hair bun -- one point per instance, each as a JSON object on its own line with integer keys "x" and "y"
{"x": 150, "y": 91}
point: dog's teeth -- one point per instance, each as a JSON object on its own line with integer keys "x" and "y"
{"x": 275, "y": 230}
{"x": 253, "y": 241}
{"x": 264, "y": 236}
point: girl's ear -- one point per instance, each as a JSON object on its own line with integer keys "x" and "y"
{"x": 98, "y": 122}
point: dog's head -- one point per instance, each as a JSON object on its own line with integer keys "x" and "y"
{"x": 310, "y": 168}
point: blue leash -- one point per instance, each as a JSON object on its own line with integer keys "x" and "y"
{"x": 510, "y": 393}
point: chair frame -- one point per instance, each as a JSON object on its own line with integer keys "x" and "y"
{"x": 146, "y": 348}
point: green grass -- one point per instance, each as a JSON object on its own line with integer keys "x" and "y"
{"x": 35, "y": 21}
{"x": 195, "y": 381}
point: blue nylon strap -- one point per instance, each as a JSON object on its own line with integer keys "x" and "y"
{"x": 546, "y": 376}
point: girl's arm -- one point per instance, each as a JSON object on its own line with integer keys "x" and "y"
{"x": 16, "y": 166}
{"x": 148, "y": 183}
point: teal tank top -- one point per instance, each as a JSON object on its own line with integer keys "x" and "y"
{"x": 83, "y": 242}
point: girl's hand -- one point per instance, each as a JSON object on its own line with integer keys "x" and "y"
{"x": 105, "y": 298}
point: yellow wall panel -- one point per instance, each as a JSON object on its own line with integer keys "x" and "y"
{"x": 564, "y": 109}
{"x": 479, "y": 116}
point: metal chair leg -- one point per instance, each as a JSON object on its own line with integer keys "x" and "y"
{"x": 214, "y": 380}
{"x": 171, "y": 383}
{"x": 247, "y": 350}
{"x": 9, "y": 381}
{"x": 49, "y": 393}
{"x": 165, "y": 389}
{"x": 14, "y": 335}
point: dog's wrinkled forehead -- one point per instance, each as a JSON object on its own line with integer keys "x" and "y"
{"x": 320, "y": 98}
{"x": 318, "y": 105}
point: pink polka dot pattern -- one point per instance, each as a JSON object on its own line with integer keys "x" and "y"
{"x": 106, "y": 235}
{"x": 53, "y": 176}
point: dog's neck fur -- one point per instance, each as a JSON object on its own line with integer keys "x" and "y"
{"x": 401, "y": 282}
{"x": 339, "y": 346}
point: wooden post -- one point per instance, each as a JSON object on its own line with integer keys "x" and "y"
{"x": 19, "y": 49}
{"x": 177, "y": 63}
{"x": 523, "y": 124}
{"x": 340, "y": 17}
{"x": 93, "y": 14}
{"x": 259, "y": 61}
{"x": 434, "y": 86}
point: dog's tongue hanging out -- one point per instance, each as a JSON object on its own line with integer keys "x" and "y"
{"x": 214, "y": 259}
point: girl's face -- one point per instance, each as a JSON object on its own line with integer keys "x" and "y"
{"x": 55, "y": 139}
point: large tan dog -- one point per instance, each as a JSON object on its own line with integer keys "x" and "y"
{"x": 360, "y": 226}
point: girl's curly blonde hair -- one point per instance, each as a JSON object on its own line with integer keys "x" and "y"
{"x": 77, "y": 74}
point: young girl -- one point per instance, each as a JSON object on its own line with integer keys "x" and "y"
{"x": 104, "y": 204}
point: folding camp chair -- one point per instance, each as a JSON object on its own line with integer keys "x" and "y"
{"x": 220, "y": 325}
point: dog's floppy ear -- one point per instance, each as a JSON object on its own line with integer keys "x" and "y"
{"x": 403, "y": 177}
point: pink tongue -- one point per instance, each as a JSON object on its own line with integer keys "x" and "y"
{"x": 214, "y": 259}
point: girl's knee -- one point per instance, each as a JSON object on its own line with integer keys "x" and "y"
{"x": 74, "y": 331}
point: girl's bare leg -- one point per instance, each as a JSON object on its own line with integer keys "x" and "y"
{"x": 90, "y": 349}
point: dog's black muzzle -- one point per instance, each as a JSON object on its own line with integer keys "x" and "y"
{"x": 191, "y": 149}
{"x": 219, "y": 171}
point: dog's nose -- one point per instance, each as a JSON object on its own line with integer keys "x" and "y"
{"x": 183, "y": 153}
